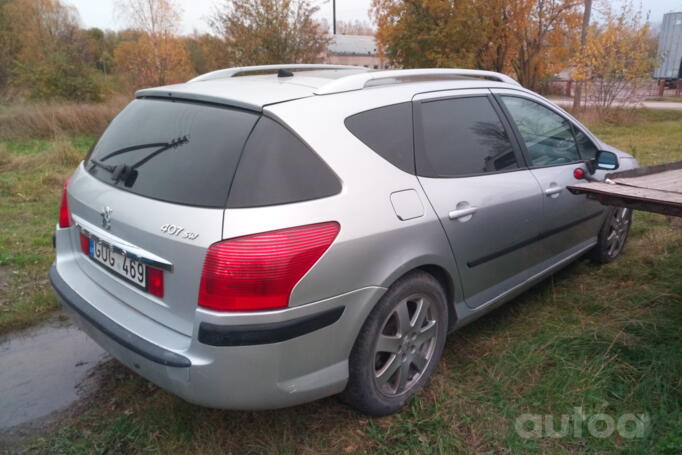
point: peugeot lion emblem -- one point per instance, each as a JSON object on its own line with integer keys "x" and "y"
{"x": 106, "y": 217}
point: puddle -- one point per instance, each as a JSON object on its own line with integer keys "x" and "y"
{"x": 44, "y": 369}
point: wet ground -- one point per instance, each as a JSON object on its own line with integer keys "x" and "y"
{"x": 43, "y": 370}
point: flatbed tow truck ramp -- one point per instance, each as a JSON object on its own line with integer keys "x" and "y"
{"x": 655, "y": 189}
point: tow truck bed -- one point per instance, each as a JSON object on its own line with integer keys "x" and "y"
{"x": 653, "y": 189}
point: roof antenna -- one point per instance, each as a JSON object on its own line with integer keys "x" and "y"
{"x": 284, "y": 73}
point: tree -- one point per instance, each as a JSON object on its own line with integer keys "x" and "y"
{"x": 583, "y": 40}
{"x": 49, "y": 51}
{"x": 499, "y": 22}
{"x": 153, "y": 17}
{"x": 424, "y": 33}
{"x": 206, "y": 52}
{"x": 617, "y": 57}
{"x": 156, "y": 57}
{"x": 8, "y": 46}
{"x": 532, "y": 37}
{"x": 546, "y": 39}
{"x": 151, "y": 62}
{"x": 257, "y": 32}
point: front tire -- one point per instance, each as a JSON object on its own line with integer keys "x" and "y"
{"x": 399, "y": 346}
{"x": 612, "y": 236}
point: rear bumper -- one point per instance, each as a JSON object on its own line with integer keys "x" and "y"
{"x": 118, "y": 334}
{"x": 289, "y": 357}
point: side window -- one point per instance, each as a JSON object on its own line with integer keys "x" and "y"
{"x": 387, "y": 131}
{"x": 547, "y": 135}
{"x": 277, "y": 168}
{"x": 463, "y": 136}
{"x": 588, "y": 151}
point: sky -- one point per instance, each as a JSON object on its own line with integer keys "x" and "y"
{"x": 100, "y": 13}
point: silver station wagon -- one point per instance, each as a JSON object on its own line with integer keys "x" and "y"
{"x": 261, "y": 237}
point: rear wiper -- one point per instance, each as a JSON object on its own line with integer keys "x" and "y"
{"x": 132, "y": 148}
{"x": 128, "y": 173}
{"x": 106, "y": 167}
{"x": 117, "y": 171}
{"x": 175, "y": 143}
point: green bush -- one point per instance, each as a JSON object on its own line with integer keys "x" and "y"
{"x": 60, "y": 77}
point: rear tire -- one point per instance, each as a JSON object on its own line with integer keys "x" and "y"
{"x": 612, "y": 235}
{"x": 398, "y": 347}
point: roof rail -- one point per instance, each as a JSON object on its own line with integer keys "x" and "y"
{"x": 232, "y": 72}
{"x": 360, "y": 81}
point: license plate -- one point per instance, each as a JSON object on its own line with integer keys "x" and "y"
{"x": 130, "y": 269}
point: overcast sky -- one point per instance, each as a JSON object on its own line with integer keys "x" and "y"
{"x": 100, "y": 13}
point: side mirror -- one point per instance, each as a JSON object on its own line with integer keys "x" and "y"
{"x": 607, "y": 161}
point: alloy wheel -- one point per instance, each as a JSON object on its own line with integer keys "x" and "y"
{"x": 406, "y": 344}
{"x": 618, "y": 231}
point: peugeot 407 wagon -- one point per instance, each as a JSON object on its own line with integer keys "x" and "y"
{"x": 266, "y": 236}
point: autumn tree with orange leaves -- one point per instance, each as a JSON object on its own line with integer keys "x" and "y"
{"x": 617, "y": 59}
{"x": 546, "y": 39}
{"x": 258, "y": 32}
{"x": 157, "y": 57}
{"x": 532, "y": 38}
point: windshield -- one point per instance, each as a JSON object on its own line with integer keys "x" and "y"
{"x": 175, "y": 151}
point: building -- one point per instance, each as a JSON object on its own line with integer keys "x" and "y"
{"x": 670, "y": 49}
{"x": 358, "y": 50}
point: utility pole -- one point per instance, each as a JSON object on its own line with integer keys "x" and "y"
{"x": 334, "y": 16}
{"x": 583, "y": 41}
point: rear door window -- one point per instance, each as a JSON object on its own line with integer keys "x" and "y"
{"x": 463, "y": 136}
{"x": 174, "y": 151}
{"x": 279, "y": 168}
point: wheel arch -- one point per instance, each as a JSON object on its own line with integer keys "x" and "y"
{"x": 441, "y": 272}
{"x": 443, "y": 277}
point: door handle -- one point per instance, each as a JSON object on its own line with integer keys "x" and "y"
{"x": 553, "y": 190}
{"x": 458, "y": 214}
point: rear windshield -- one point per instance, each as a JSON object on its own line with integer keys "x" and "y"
{"x": 175, "y": 151}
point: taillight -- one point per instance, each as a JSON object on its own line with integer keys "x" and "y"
{"x": 258, "y": 272}
{"x": 64, "y": 213}
{"x": 155, "y": 282}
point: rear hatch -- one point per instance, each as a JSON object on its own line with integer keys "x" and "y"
{"x": 154, "y": 187}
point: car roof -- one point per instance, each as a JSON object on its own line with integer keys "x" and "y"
{"x": 292, "y": 82}
{"x": 249, "y": 92}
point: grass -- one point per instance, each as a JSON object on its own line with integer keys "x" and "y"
{"x": 32, "y": 173}
{"x": 653, "y": 137}
{"x": 47, "y": 120}
{"x": 606, "y": 339}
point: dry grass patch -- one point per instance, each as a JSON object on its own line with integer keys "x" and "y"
{"x": 47, "y": 120}
{"x": 5, "y": 157}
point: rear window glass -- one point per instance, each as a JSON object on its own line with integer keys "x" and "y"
{"x": 175, "y": 151}
{"x": 278, "y": 168}
{"x": 387, "y": 131}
